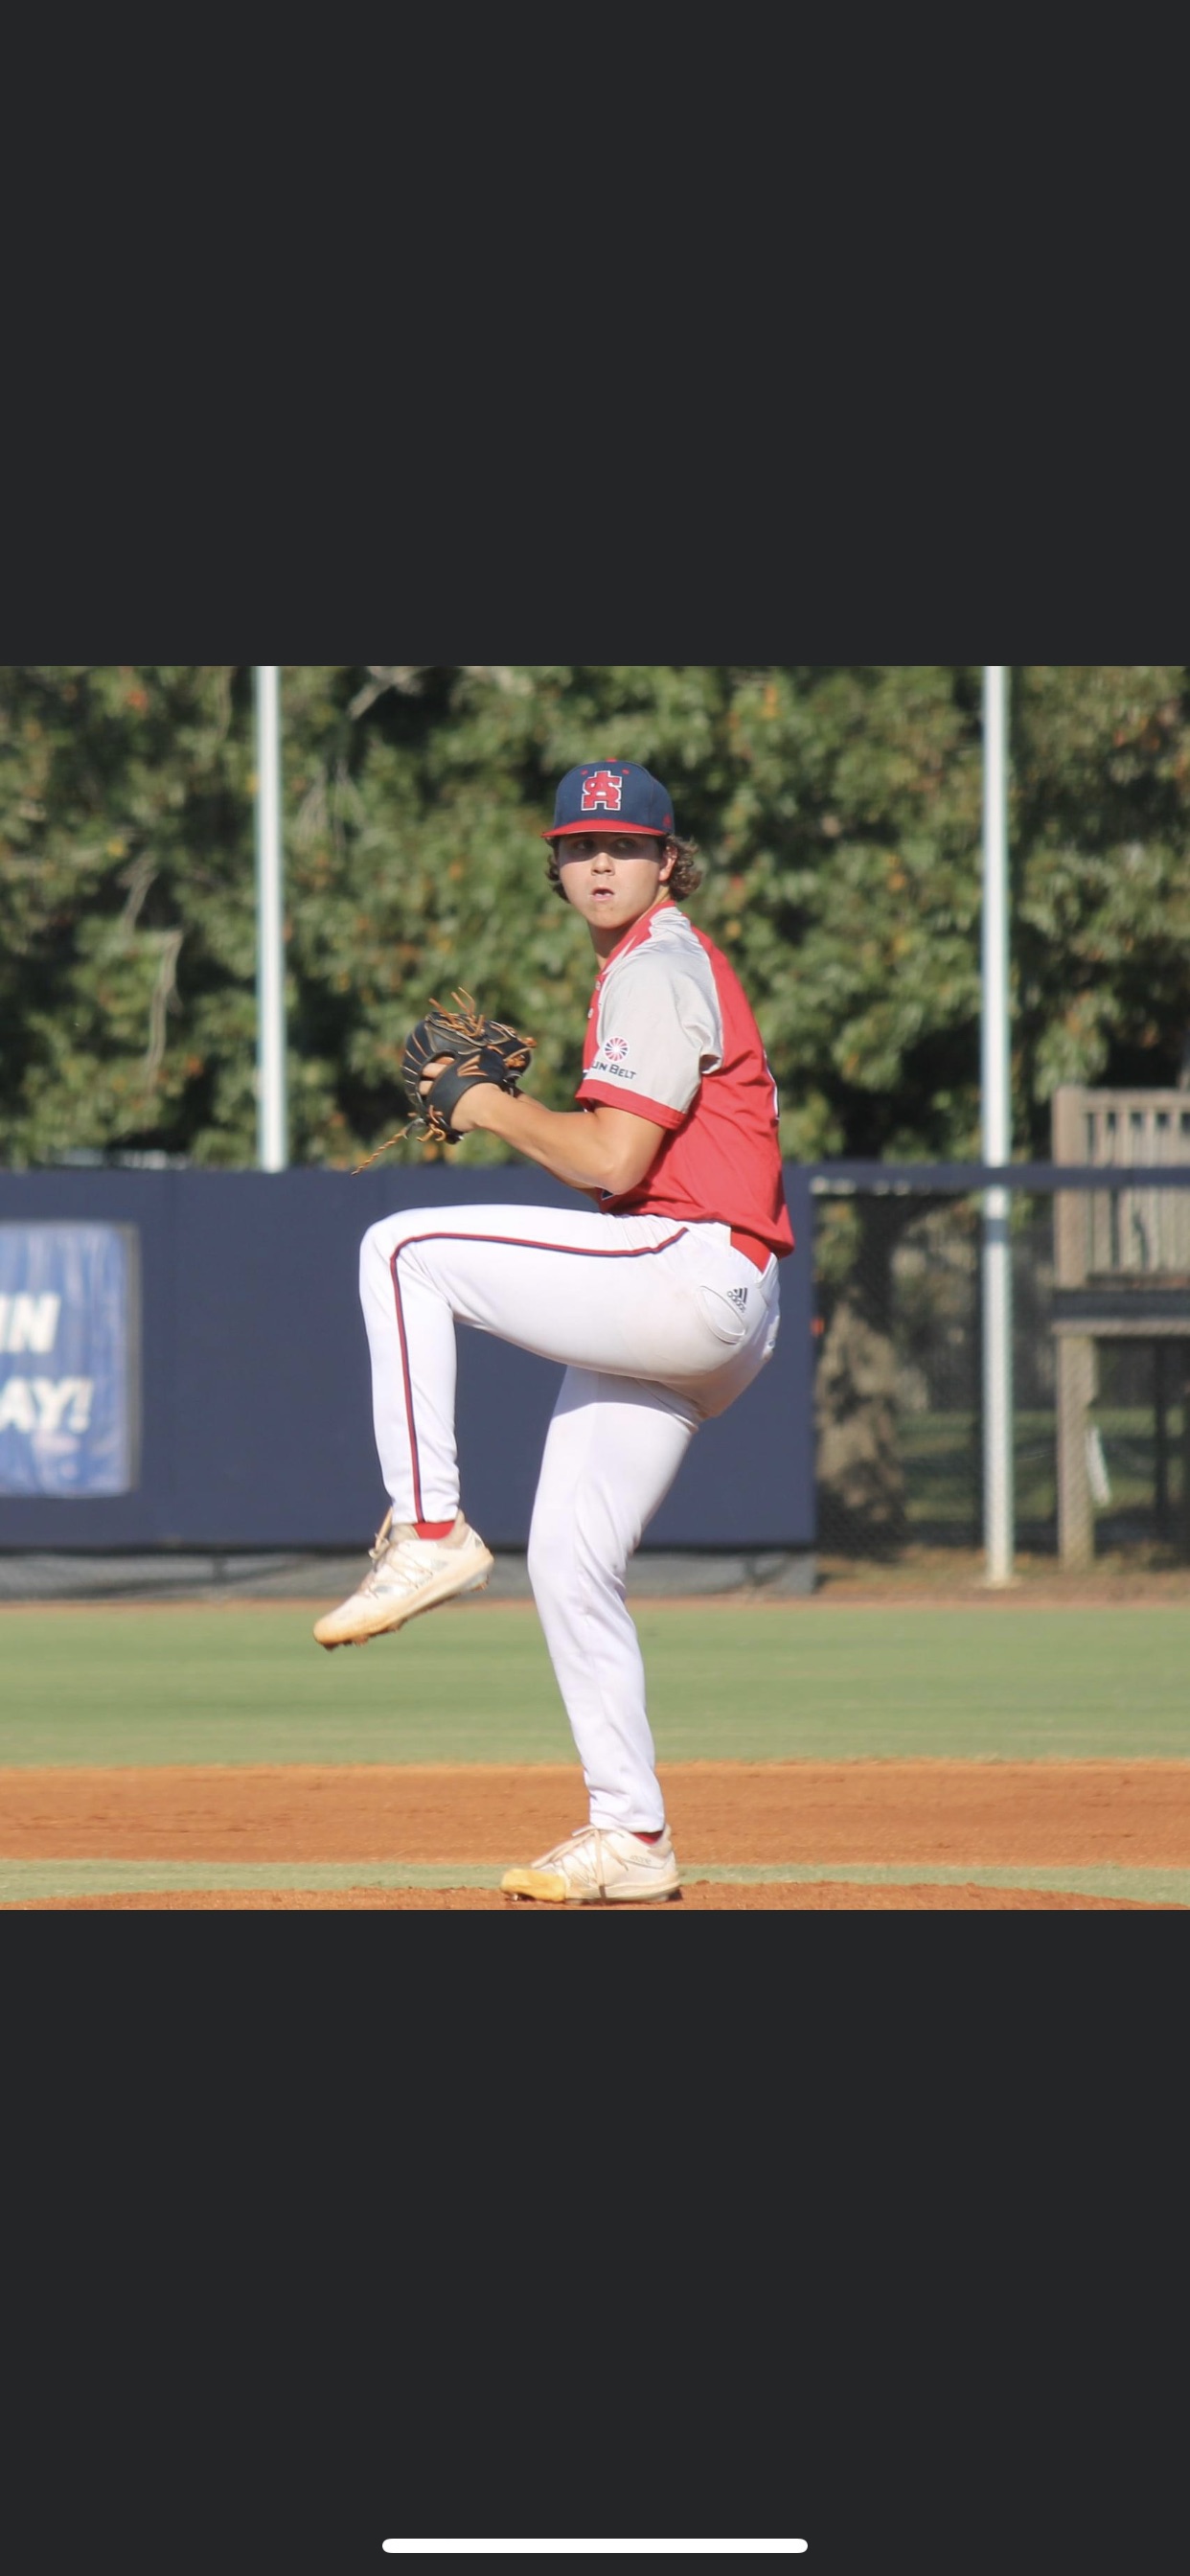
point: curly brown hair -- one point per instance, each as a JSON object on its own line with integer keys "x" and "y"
{"x": 685, "y": 877}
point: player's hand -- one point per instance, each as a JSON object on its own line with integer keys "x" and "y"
{"x": 462, "y": 1116}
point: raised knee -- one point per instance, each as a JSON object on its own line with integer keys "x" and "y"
{"x": 381, "y": 1240}
{"x": 372, "y": 1254}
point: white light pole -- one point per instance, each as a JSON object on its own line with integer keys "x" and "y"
{"x": 272, "y": 1144}
{"x": 998, "y": 1497}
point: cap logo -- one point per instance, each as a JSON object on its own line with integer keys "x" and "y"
{"x": 602, "y": 789}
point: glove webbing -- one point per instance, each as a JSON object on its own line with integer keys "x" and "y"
{"x": 464, "y": 1021}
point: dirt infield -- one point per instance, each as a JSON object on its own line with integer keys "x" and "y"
{"x": 926, "y": 1817}
{"x": 960, "y": 1813}
{"x": 821, "y": 1898}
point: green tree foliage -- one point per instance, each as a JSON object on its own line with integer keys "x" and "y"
{"x": 126, "y": 912}
{"x": 838, "y": 810}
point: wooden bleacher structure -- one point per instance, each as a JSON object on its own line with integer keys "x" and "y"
{"x": 1121, "y": 1271}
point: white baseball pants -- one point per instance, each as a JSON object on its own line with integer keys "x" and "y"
{"x": 659, "y": 1326}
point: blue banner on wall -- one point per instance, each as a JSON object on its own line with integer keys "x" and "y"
{"x": 68, "y": 1360}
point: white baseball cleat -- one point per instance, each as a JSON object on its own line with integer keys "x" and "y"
{"x": 599, "y": 1865}
{"x": 409, "y": 1574}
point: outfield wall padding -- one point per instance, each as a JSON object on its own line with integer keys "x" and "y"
{"x": 252, "y": 1386}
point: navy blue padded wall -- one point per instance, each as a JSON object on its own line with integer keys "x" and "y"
{"x": 256, "y": 1402}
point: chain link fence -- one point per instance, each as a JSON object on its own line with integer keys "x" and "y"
{"x": 1101, "y": 1370}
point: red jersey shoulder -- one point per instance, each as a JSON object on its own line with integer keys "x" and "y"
{"x": 721, "y": 1162}
{"x": 732, "y": 997}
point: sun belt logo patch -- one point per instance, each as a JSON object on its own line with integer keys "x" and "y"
{"x": 617, "y": 1048}
{"x": 602, "y": 789}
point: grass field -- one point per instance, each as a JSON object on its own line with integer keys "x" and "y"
{"x": 742, "y": 1683}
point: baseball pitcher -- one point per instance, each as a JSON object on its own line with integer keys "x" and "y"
{"x": 660, "y": 1298}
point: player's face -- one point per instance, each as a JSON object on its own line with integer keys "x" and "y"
{"x": 612, "y": 878}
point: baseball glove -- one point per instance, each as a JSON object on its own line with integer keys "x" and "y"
{"x": 478, "y": 1049}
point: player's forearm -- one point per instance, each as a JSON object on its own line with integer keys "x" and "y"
{"x": 566, "y": 1142}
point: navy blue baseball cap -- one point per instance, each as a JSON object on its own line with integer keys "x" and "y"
{"x": 611, "y": 791}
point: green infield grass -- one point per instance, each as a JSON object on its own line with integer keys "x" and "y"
{"x": 473, "y": 1684}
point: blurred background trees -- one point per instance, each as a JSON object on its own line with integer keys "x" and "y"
{"x": 838, "y": 810}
